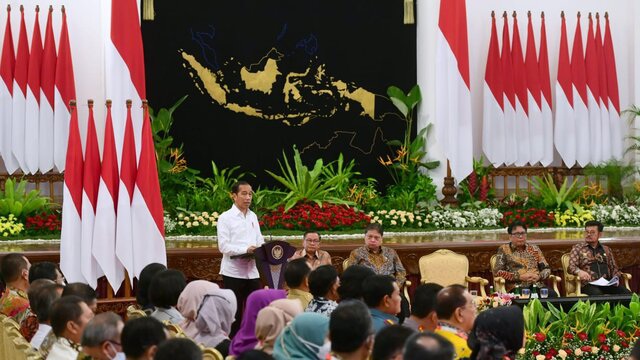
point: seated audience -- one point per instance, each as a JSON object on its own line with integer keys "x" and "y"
{"x": 592, "y": 260}
{"x": 304, "y": 338}
{"x": 271, "y": 321}
{"x": 498, "y": 333}
{"x": 351, "y": 331}
{"x": 69, "y": 317}
{"x": 635, "y": 353}
{"x": 428, "y": 345}
{"x": 382, "y": 296}
{"x": 141, "y": 337}
{"x": 389, "y": 342}
{"x": 296, "y": 276}
{"x": 521, "y": 263}
{"x": 164, "y": 292}
{"x": 14, "y": 302}
{"x": 208, "y": 312}
{"x": 456, "y": 312}
{"x": 101, "y": 337}
{"x": 144, "y": 281}
{"x": 245, "y": 339}
{"x": 255, "y": 355}
{"x": 85, "y": 292}
{"x": 423, "y": 311}
{"x": 323, "y": 283}
{"x": 177, "y": 348}
{"x": 311, "y": 251}
{"x": 41, "y": 298}
{"x": 46, "y": 270}
{"x": 29, "y": 325}
{"x": 351, "y": 282}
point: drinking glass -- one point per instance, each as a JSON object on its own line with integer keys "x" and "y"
{"x": 544, "y": 293}
{"x": 526, "y": 293}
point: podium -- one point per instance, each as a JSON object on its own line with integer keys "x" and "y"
{"x": 271, "y": 260}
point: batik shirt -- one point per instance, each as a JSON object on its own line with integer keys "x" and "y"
{"x": 384, "y": 262}
{"x": 322, "y": 306}
{"x": 314, "y": 260}
{"x": 512, "y": 262}
{"x": 15, "y": 304}
{"x": 598, "y": 261}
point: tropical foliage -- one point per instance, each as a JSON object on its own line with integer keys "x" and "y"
{"x": 552, "y": 197}
{"x": 16, "y": 200}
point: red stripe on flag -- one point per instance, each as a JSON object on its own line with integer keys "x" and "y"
{"x": 21, "y": 72}
{"x": 8, "y": 61}
{"x": 74, "y": 163}
{"x": 65, "y": 82}
{"x": 591, "y": 62}
{"x": 147, "y": 177}
{"x": 578, "y": 71}
{"x": 48, "y": 74}
{"x": 610, "y": 61}
{"x": 91, "y": 175}
{"x": 531, "y": 65}
{"x": 543, "y": 64}
{"x": 453, "y": 25}
{"x": 507, "y": 66}
{"x": 35, "y": 59}
{"x": 602, "y": 68}
{"x": 564, "y": 64}
{"x": 127, "y": 39}
{"x": 109, "y": 171}
{"x": 493, "y": 73}
{"x": 128, "y": 168}
{"x": 520, "y": 81}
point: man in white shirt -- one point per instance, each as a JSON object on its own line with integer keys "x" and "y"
{"x": 239, "y": 234}
{"x": 69, "y": 316}
{"x": 42, "y": 294}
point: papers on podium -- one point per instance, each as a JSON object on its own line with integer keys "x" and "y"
{"x": 604, "y": 282}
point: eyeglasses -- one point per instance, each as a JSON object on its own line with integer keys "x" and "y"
{"x": 519, "y": 234}
{"x": 591, "y": 233}
{"x": 313, "y": 241}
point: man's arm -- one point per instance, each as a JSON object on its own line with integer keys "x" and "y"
{"x": 574, "y": 260}
{"x": 613, "y": 267}
{"x": 500, "y": 268}
{"x": 543, "y": 265}
{"x": 226, "y": 244}
{"x": 401, "y": 273}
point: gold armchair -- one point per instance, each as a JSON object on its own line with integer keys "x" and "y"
{"x": 446, "y": 267}
{"x": 133, "y": 312}
{"x": 407, "y": 283}
{"x": 572, "y": 283}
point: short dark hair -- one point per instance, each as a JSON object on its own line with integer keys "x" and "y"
{"x": 351, "y": 281}
{"x": 374, "y": 226}
{"x": 254, "y": 355}
{"x": 304, "y": 236}
{"x": 350, "y": 325}
{"x": 295, "y": 273}
{"x": 424, "y": 299}
{"x": 375, "y": 288}
{"x": 144, "y": 281}
{"x": 43, "y": 270}
{"x": 11, "y": 266}
{"x": 449, "y": 299}
{"x": 178, "y": 348}
{"x": 41, "y": 299}
{"x": 103, "y": 327}
{"x": 389, "y": 341}
{"x": 166, "y": 287}
{"x": 236, "y": 186}
{"x": 515, "y": 224}
{"x": 140, "y": 334}
{"x": 321, "y": 279}
{"x": 63, "y": 310}
{"x": 436, "y": 348}
{"x": 594, "y": 223}
{"x": 82, "y": 290}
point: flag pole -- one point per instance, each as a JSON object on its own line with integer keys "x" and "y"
{"x": 449, "y": 189}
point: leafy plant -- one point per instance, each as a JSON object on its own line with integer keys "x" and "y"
{"x": 345, "y": 172}
{"x": 218, "y": 187}
{"x": 17, "y": 201}
{"x": 476, "y": 186}
{"x": 616, "y": 173}
{"x": 161, "y": 123}
{"x": 553, "y": 198}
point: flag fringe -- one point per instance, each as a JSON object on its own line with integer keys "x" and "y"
{"x": 409, "y": 18}
{"x": 148, "y": 12}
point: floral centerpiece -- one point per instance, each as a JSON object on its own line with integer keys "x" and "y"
{"x": 494, "y": 300}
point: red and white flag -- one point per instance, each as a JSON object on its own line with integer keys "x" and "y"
{"x": 510, "y": 134}
{"x": 593, "y": 96}
{"x": 581, "y": 113}
{"x": 453, "y": 97}
{"x": 603, "y": 98}
{"x": 65, "y": 90}
{"x": 32, "y": 101}
{"x": 90, "y": 183}
{"x": 493, "y": 129}
{"x": 71, "y": 233}
{"x": 20, "y": 78}
{"x": 104, "y": 229}
{"x": 522, "y": 99}
{"x": 534, "y": 96}
{"x": 47, "y": 86}
{"x": 7, "y": 65}
{"x": 617, "y": 135}
{"x": 545, "y": 88}
{"x": 127, "y": 181}
{"x": 565, "y": 125}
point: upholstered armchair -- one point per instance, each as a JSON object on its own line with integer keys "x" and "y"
{"x": 499, "y": 283}
{"x": 572, "y": 283}
{"x": 446, "y": 267}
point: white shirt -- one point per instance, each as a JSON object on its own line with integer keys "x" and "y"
{"x": 62, "y": 350}
{"x": 43, "y": 330}
{"x": 236, "y": 232}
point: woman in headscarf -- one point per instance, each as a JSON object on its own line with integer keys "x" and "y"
{"x": 272, "y": 320}
{"x": 304, "y": 338}
{"x": 208, "y": 313}
{"x": 497, "y": 334}
{"x": 245, "y": 339}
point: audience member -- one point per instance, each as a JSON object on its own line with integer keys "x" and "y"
{"x": 311, "y": 251}
{"x": 423, "y": 312}
{"x": 141, "y": 337}
{"x": 245, "y": 339}
{"x": 85, "y": 292}
{"x": 29, "y": 325}
{"x": 382, "y": 296}
{"x": 46, "y": 270}
{"x": 41, "y": 298}
{"x": 456, "y": 312}
{"x": 101, "y": 338}
{"x": 272, "y": 320}
{"x": 351, "y": 331}
{"x": 144, "y": 281}
{"x": 296, "y": 276}
{"x": 164, "y": 292}
{"x": 208, "y": 312}
{"x": 304, "y": 338}
{"x": 498, "y": 333}
{"x": 177, "y": 348}
{"x": 635, "y": 353}
{"x": 428, "y": 345}
{"x": 254, "y": 355}
{"x": 323, "y": 283}
{"x": 14, "y": 302}
{"x": 389, "y": 342}
{"x": 69, "y": 317}
{"x": 351, "y": 282}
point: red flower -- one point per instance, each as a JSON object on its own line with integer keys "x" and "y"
{"x": 535, "y": 353}
{"x": 602, "y": 338}
{"x": 540, "y": 337}
{"x": 622, "y": 334}
{"x": 568, "y": 351}
{"x": 583, "y": 336}
{"x": 568, "y": 336}
{"x": 548, "y": 356}
{"x": 605, "y": 348}
{"x": 553, "y": 352}
{"x": 586, "y": 348}
{"x": 624, "y": 344}
{"x": 637, "y": 333}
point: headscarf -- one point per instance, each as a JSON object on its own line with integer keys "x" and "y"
{"x": 272, "y": 320}
{"x": 497, "y": 334}
{"x": 245, "y": 338}
{"x": 208, "y": 312}
{"x": 303, "y": 338}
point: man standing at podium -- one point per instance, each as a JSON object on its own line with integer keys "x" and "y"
{"x": 238, "y": 237}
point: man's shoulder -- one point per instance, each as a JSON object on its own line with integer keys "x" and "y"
{"x": 322, "y": 253}
{"x": 578, "y": 247}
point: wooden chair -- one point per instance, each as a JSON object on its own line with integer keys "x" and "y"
{"x": 133, "y": 312}
{"x": 572, "y": 283}
{"x": 446, "y": 267}
{"x": 499, "y": 283}
{"x": 407, "y": 283}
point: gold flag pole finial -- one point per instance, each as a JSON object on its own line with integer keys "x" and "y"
{"x": 409, "y": 17}
{"x": 148, "y": 12}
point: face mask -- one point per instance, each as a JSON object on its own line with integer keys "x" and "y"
{"x": 119, "y": 356}
{"x": 325, "y": 349}
{"x": 321, "y": 351}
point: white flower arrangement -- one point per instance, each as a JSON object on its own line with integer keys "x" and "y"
{"x": 440, "y": 218}
{"x": 617, "y": 214}
{"x": 194, "y": 219}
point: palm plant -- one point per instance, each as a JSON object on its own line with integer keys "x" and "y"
{"x": 553, "y": 198}
{"x": 17, "y": 201}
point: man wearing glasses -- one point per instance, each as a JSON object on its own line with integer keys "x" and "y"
{"x": 311, "y": 251}
{"x": 591, "y": 261}
{"x": 520, "y": 263}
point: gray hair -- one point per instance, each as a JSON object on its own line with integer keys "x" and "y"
{"x": 103, "y": 327}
